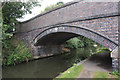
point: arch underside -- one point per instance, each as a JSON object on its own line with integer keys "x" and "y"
{"x": 59, "y": 34}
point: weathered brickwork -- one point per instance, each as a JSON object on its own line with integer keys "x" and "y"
{"x": 115, "y": 64}
{"x": 95, "y": 20}
{"x": 75, "y": 30}
{"x": 103, "y": 26}
{"x": 76, "y": 11}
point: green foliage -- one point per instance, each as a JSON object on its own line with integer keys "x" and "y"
{"x": 74, "y": 64}
{"x": 10, "y": 12}
{"x": 116, "y": 73}
{"x": 74, "y": 43}
{"x": 59, "y": 3}
{"x": 13, "y": 10}
{"x": 1, "y": 22}
{"x": 52, "y": 6}
{"x": 86, "y": 41}
{"x": 78, "y": 42}
{"x": 16, "y": 54}
{"x": 100, "y": 74}
{"x": 81, "y": 41}
{"x": 49, "y": 8}
{"x": 72, "y": 72}
{"x": 101, "y": 50}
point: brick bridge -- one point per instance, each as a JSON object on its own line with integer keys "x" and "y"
{"x": 95, "y": 20}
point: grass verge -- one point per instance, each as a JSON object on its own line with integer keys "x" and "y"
{"x": 100, "y": 74}
{"x": 72, "y": 72}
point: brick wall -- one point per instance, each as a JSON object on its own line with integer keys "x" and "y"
{"x": 71, "y": 12}
{"x": 98, "y": 17}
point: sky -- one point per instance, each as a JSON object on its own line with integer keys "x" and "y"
{"x": 37, "y": 10}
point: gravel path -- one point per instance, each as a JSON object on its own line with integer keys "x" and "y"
{"x": 99, "y": 62}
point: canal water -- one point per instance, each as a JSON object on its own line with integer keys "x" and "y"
{"x": 48, "y": 67}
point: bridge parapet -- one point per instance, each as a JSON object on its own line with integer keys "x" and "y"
{"x": 71, "y": 12}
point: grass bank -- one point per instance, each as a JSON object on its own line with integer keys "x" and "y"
{"x": 100, "y": 74}
{"x": 72, "y": 72}
{"x": 106, "y": 76}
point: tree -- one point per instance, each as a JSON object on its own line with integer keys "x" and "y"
{"x": 60, "y": 3}
{"x": 11, "y": 11}
{"x": 52, "y": 6}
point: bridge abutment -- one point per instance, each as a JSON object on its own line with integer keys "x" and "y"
{"x": 115, "y": 60}
{"x": 119, "y": 65}
{"x": 115, "y": 64}
{"x": 46, "y": 50}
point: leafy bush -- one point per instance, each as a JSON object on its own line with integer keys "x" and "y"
{"x": 78, "y": 42}
{"x": 74, "y": 43}
{"x": 10, "y": 12}
{"x": 16, "y": 54}
{"x": 116, "y": 73}
{"x": 52, "y": 6}
{"x": 86, "y": 41}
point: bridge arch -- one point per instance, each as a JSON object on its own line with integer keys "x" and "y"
{"x": 99, "y": 20}
{"x": 61, "y": 33}
{"x": 56, "y": 35}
